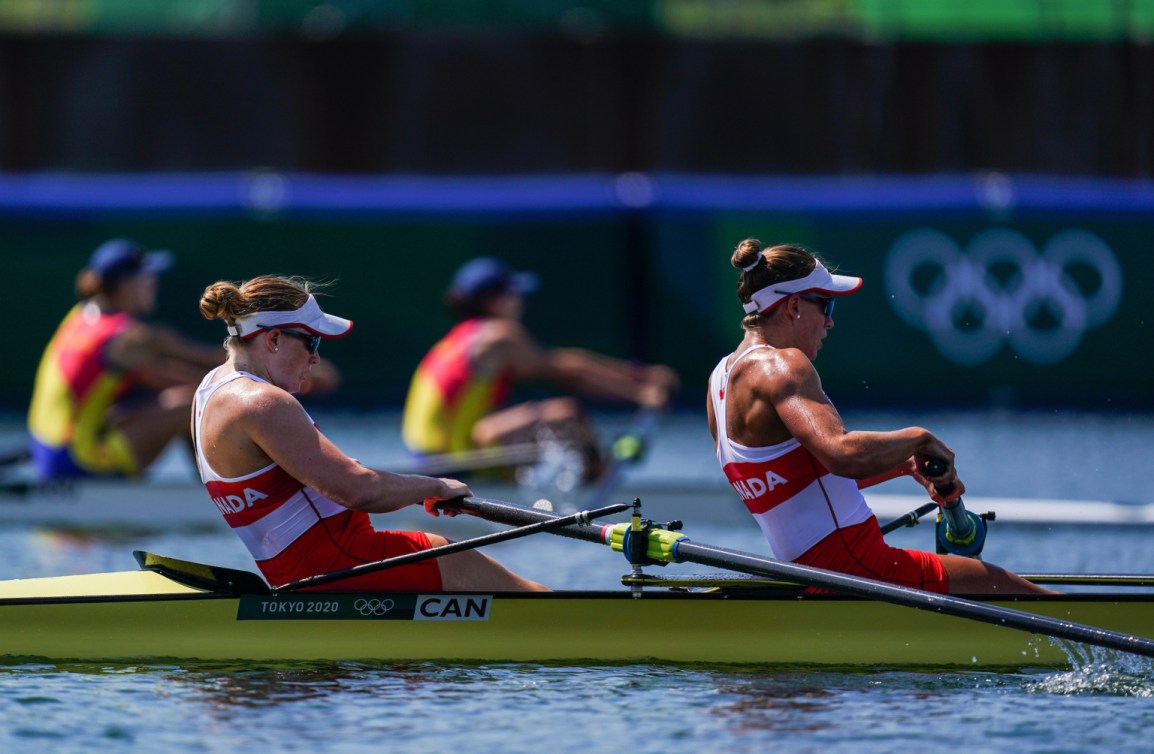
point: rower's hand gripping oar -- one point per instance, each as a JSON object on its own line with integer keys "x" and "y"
{"x": 959, "y": 531}
{"x": 668, "y": 546}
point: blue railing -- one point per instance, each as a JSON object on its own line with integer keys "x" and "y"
{"x": 217, "y": 193}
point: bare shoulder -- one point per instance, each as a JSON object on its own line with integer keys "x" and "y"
{"x": 259, "y": 403}
{"x": 774, "y": 362}
{"x": 775, "y": 373}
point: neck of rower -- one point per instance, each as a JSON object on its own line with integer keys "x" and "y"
{"x": 775, "y": 331}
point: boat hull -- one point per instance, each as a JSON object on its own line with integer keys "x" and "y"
{"x": 144, "y": 616}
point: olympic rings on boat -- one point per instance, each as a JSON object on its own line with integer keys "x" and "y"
{"x": 373, "y": 606}
{"x": 1001, "y": 290}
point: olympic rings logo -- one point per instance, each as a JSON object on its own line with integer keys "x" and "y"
{"x": 373, "y": 607}
{"x": 1002, "y": 290}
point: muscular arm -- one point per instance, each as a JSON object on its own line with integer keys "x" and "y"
{"x": 574, "y": 369}
{"x": 162, "y": 356}
{"x": 786, "y": 388}
{"x": 269, "y": 425}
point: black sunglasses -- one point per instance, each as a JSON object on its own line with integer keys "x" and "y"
{"x": 312, "y": 342}
{"x": 826, "y": 304}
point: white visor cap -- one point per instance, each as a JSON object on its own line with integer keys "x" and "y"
{"x": 308, "y": 317}
{"x": 820, "y": 280}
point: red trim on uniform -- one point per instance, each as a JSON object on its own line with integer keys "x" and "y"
{"x": 860, "y": 550}
{"x": 776, "y": 481}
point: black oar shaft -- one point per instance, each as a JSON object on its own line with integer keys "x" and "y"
{"x": 909, "y": 519}
{"x": 453, "y": 547}
{"x": 942, "y": 603}
{"x": 742, "y": 562}
{"x": 517, "y": 515}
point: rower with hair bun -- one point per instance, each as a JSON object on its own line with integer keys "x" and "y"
{"x": 299, "y": 504}
{"x": 784, "y": 449}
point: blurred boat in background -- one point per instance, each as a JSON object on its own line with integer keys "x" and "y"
{"x": 184, "y": 505}
{"x": 1021, "y": 459}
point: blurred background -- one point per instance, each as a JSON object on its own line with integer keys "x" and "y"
{"x": 985, "y": 165}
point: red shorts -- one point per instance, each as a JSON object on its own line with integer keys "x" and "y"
{"x": 861, "y": 550}
{"x": 318, "y": 552}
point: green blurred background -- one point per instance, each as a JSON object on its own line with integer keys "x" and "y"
{"x": 619, "y": 149}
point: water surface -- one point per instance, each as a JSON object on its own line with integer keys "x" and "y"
{"x": 1103, "y": 705}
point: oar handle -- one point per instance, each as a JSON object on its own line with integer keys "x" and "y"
{"x": 960, "y": 532}
{"x": 937, "y": 467}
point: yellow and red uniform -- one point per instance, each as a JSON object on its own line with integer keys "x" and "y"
{"x": 76, "y": 386}
{"x": 448, "y": 395}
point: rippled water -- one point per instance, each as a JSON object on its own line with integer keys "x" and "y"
{"x": 1105, "y": 704}
{"x": 532, "y": 708}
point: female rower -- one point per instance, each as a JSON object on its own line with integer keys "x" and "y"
{"x": 299, "y": 504}
{"x": 785, "y": 450}
{"x": 457, "y": 399}
{"x": 112, "y": 388}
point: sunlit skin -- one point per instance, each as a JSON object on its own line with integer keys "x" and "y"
{"x": 249, "y": 424}
{"x": 292, "y": 371}
{"x": 775, "y": 394}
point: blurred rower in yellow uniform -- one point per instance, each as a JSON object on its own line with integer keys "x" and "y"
{"x": 112, "y": 389}
{"x": 457, "y": 398}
